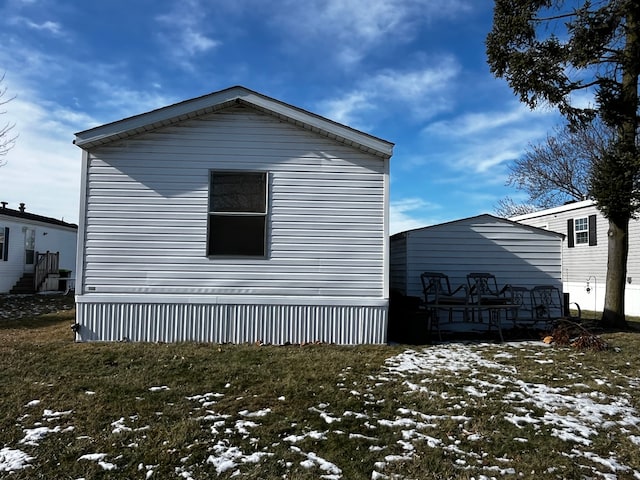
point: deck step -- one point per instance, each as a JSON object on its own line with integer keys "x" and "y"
{"x": 24, "y": 285}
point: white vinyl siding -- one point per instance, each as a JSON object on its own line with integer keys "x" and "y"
{"x": 633, "y": 261}
{"x": 586, "y": 265}
{"x": 578, "y": 263}
{"x": 48, "y": 237}
{"x": 147, "y": 207}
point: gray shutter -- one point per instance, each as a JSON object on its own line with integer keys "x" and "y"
{"x": 593, "y": 238}
{"x": 570, "y": 236}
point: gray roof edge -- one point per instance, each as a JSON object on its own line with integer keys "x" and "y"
{"x": 210, "y": 102}
{"x": 33, "y": 217}
{"x": 460, "y": 220}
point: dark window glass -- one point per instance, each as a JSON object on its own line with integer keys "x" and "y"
{"x": 238, "y": 192}
{"x": 237, "y": 213}
{"x": 230, "y": 235}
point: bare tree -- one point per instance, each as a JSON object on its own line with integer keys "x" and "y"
{"x": 507, "y": 207}
{"x": 559, "y": 169}
{"x": 7, "y": 136}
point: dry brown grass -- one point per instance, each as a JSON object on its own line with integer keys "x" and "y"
{"x": 166, "y": 431}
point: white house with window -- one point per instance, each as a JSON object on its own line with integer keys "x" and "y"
{"x": 584, "y": 253}
{"x": 233, "y": 217}
{"x": 34, "y": 249}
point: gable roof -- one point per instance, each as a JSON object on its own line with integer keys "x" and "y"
{"x": 484, "y": 216}
{"x": 9, "y": 212}
{"x": 215, "y": 101}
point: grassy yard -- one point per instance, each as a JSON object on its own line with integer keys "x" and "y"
{"x": 457, "y": 410}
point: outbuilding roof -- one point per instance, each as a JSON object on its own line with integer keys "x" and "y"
{"x": 481, "y": 217}
{"x": 215, "y": 101}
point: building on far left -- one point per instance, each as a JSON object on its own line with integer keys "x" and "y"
{"x": 37, "y": 253}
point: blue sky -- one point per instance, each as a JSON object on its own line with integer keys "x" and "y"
{"x": 413, "y": 72}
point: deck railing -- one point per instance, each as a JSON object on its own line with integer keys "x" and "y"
{"x": 46, "y": 263}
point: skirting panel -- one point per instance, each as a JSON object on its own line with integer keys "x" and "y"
{"x": 220, "y": 323}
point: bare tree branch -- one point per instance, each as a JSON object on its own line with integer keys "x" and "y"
{"x": 7, "y": 136}
{"x": 558, "y": 170}
{"x": 507, "y": 207}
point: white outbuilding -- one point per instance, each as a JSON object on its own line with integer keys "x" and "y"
{"x": 516, "y": 254}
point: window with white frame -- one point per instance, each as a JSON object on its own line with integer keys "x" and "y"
{"x": 237, "y": 213}
{"x": 581, "y": 230}
{"x": 4, "y": 243}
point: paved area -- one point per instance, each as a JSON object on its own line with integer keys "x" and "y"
{"x": 13, "y": 307}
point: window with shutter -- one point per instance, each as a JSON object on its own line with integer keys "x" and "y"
{"x": 582, "y": 231}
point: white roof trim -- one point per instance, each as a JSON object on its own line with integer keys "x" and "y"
{"x": 218, "y": 100}
{"x": 550, "y": 211}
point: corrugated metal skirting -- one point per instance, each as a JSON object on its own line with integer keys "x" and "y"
{"x": 277, "y": 324}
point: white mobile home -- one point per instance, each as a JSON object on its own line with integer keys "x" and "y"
{"x": 584, "y": 253}
{"x": 33, "y": 250}
{"x": 516, "y": 254}
{"x": 233, "y": 217}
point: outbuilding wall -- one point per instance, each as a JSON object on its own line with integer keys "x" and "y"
{"x": 515, "y": 254}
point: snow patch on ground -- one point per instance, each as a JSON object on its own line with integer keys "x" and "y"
{"x": 12, "y": 460}
{"x": 571, "y": 410}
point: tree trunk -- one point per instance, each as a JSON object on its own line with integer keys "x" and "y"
{"x": 618, "y": 249}
{"x": 618, "y": 244}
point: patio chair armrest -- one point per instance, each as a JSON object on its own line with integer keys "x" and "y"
{"x": 461, "y": 287}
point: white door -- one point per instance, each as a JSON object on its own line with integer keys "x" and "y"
{"x": 29, "y": 249}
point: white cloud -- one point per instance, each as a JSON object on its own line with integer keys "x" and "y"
{"x": 194, "y": 42}
{"x": 183, "y": 33}
{"x": 422, "y": 92}
{"x": 354, "y": 27}
{"x": 43, "y": 169}
{"x": 415, "y": 84}
{"x": 105, "y": 91}
{"x": 409, "y": 213}
{"x": 346, "y": 108}
{"x": 485, "y": 155}
{"x": 473, "y": 123}
{"x": 122, "y": 101}
{"x": 485, "y": 141}
{"x": 48, "y": 26}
